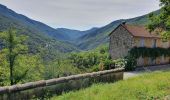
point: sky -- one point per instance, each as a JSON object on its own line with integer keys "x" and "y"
{"x": 81, "y": 14}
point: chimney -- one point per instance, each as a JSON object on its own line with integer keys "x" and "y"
{"x": 124, "y": 22}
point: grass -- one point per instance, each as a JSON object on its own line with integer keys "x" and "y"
{"x": 150, "y": 86}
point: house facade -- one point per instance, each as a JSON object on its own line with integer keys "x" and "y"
{"x": 125, "y": 37}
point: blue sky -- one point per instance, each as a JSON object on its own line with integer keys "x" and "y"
{"x": 81, "y": 14}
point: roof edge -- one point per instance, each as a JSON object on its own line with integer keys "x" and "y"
{"x": 115, "y": 29}
{"x": 131, "y": 33}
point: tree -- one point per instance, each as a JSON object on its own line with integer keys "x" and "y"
{"x": 161, "y": 23}
{"x": 3, "y": 70}
{"x": 16, "y": 56}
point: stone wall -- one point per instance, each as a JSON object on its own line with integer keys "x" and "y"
{"x": 43, "y": 88}
{"x": 121, "y": 41}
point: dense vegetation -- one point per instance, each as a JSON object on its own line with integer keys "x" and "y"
{"x": 154, "y": 86}
{"x": 15, "y": 55}
{"x": 149, "y": 52}
{"x": 16, "y": 64}
{"x": 74, "y": 63}
{"x": 37, "y": 68}
{"x": 137, "y": 52}
{"x": 161, "y": 23}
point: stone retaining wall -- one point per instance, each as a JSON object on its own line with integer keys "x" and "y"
{"x": 45, "y": 88}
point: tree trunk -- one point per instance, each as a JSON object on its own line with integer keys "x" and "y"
{"x": 11, "y": 60}
{"x": 11, "y": 74}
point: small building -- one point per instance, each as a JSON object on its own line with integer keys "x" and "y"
{"x": 125, "y": 37}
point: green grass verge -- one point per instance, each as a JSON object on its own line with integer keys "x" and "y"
{"x": 150, "y": 86}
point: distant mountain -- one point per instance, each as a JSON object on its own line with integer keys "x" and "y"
{"x": 61, "y": 39}
{"x": 73, "y": 35}
{"x": 23, "y": 20}
{"x": 11, "y": 18}
{"x": 100, "y": 35}
{"x": 40, "y": 35}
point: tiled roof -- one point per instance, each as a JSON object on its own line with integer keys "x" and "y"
{"x": 140, "y": 31}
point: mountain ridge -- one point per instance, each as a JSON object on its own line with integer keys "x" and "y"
{"x": 41, "y": 36}
{"x": 63, "y": 39}
{"x": 100, "y": 36}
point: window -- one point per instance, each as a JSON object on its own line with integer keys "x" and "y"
{"x": 142, "y": 42}
{"x": 154, "y": 43}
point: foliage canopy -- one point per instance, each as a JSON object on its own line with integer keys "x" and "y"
{"x": 161, "y": 23}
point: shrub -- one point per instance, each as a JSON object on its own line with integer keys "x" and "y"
{"x": 108, "y": 64}
{"x": 120, "y": 63}
{"x": 130, "y": 63}
{"x": 94, "y": 68}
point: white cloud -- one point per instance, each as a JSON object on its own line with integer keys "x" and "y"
{"x": 81, "y": 14}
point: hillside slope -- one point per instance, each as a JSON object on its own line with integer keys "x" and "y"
{"x": 100, "y": 35}
{"x": 38, "y": 26}
{"x": 73, "y": 35}
{"x": 40, "y": 35}
{"x": 61, "y": 39}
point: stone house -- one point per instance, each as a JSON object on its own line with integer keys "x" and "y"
{"x": 125, "y": 37}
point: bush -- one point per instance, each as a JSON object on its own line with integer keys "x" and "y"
{"x": 95, "y": 68}
{"x": 120, "y": 63}
{"x": 108, "y": 64}
{"x": 130, "y": 63}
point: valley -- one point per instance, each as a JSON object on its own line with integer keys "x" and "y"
{"x": 71, "y": 40}
{"x": 41, "y": 61}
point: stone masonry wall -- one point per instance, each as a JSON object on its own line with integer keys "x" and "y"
{"x": 39, "y": 89}
{"x": 121, "y": 41}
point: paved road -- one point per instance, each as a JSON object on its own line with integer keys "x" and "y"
{"x": 141, "y": 70}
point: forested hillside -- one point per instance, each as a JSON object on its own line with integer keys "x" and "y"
{"x": 100, "y": 35}
{"x": 61, "y": 39}
{"x": 41, "y": 37}
{"x": 73, "y": 35}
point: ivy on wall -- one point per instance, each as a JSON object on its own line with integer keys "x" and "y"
{"x": 149, "y": 52}
{"x": 137, "y": 52}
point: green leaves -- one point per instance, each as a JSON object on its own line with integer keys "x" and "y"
{"x": 28, "y": 68}
{"x": 137, "y": 52}
{"x": 92, "y": 60}
{"x": 161, "y": 23}
{"x": 165, "y": 35}
{"x": 21, "y": 66}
